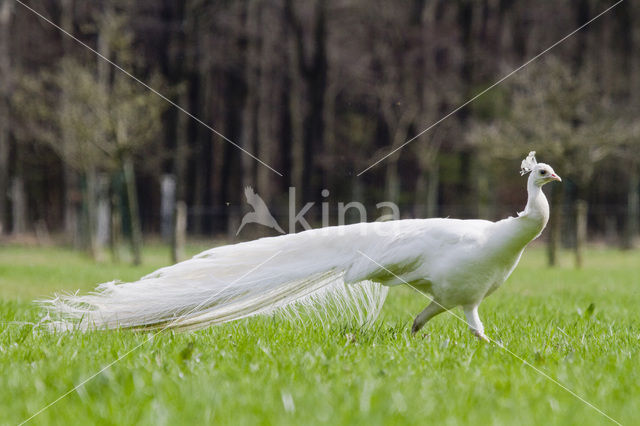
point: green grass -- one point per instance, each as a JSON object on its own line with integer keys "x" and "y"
{"x": 270, "y": 371}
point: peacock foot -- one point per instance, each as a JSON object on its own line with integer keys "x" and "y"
{"x": 480, "y": 335}
{"x": 415, "y": 327}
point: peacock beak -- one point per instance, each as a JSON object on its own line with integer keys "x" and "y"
{"x": 555, "y": 177}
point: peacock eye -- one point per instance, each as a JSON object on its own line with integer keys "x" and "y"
{"x": 543, "y": 172}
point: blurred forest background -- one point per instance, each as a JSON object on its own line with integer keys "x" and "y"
{"x": 318, "y": 90}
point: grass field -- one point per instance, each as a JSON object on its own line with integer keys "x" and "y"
{"x": 270, "y": 371}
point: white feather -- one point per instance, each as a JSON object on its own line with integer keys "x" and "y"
{"x": 332, "y": 272}
{"x": 528, "y": 163}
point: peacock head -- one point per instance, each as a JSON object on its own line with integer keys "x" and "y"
{"x": 541, "y": 173}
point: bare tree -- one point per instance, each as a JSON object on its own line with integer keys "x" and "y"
{"x": 6, "y": 10}
{"x": 102, "y": 121}
{"x": 568, "y": 120}
{"x": 309, "y": 73}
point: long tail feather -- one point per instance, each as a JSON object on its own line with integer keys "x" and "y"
{"x": 225, "y": 284}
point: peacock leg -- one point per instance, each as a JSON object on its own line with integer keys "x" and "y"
{"x": 475, "y": 325}
{"x": 429, "y": 312}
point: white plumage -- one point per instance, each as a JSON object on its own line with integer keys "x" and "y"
{"x": 343, "y": 268}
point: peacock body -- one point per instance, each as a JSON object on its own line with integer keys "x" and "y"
{"x": 345, "y": 268}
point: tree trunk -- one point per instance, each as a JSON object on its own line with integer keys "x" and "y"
{"x": 6, "y": 8}
{"x": 581, "y": 231}
{"x": 199, "y": 211}
{"x": 250, "y": 110}
{"x": 427, "y": 192}
{"x": 72, "y": 191}
{"x": 104, "y": 77}
{"x": 632, "y": 226}
{"x": 295, "y": 97}
{"x": 4, "y": 170}
{"x": 71, "y": 206}
{"x": 432, "y": 190}
{"x": 469, "y": 180}
{"x": 19, "y": 206}
{"x": 134, "y": 215}
{"x": 485, "y": 199}
{"x": 553, "y": 243}
{"x": 429, "y": 180}
{"x": 392, "y": 180}
{"x": 313, "y": 69}
{"x": 179, "y": 232}
{"x": 179, "y": 166}
{"x": 116, "y": 223}
{"x": 202, "y": 137}
{"x": 103, "y": 213}
{"x": 90, "y": 214}
{"x": 295, "y": 108}
{"x": 167, "y": 206}
{"x": 420, "y": 196}
{"x": 400, "y": 127}
{"x": 267, "y": 110}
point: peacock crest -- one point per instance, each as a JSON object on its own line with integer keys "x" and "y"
{"x": 528, "y": 163}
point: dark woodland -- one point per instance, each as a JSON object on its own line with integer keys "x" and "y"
{"x": 318, "y": 90}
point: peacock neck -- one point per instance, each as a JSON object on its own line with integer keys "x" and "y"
{"x": 537, "y": 204}
{"x": 536, "y": 212}
{"x": 515, "y": 233}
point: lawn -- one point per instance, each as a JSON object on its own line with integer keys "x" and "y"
{"x": 268, "y": 370}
